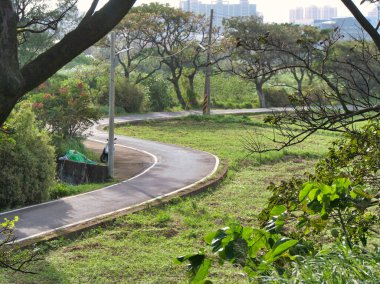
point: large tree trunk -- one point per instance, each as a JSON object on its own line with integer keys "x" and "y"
{"x": 15, "y": 83}
{"x": 11, "y": 80}
{"x": 260, "y": 93}
{"x": 193, "y": 99}
{"x": 178, "y": 93}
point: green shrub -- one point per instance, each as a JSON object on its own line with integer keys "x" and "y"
{"x": 276, "y": 97}
{"x": 159, "y": 96}
{"x": 129, "y": 96}
{"x": 26, "y": 161}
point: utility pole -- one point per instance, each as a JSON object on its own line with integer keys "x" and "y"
{"x": 206, "y": 101}
{"x": 111, "y": 127}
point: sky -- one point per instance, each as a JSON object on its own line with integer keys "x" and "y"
{"x": 272, "y": 10}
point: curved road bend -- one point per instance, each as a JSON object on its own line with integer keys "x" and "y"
{"x": 173, "y": 168}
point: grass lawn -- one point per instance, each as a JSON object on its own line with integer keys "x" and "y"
{"x": 141, "y": 247}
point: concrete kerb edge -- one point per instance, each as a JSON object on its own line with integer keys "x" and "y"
{"x": 74, "y": 229}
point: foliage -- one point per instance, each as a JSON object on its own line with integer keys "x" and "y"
{"x": 228, "y": 91}
{"x": 27, "y": 162}
{"x": 333, "y": 265}
{"x": 67, "y": 110}
{"x": 344, "y": 188}
{"x": 276, "y": 97}
{"x": 21, "y": 17}
{"x": 254, "y": 250}
{"x": 129, "y": 96}
{"x": 11, "y": 257}
{"x": 158, "y": 92}
{"x": 245, "y": 57}
{"x": 347, "y": 90}
{"x": 174, "y": 39}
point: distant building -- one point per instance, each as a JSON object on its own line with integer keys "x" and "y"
{"x": 328, "y": 12}
{"x": 349, "y": 27}
{"x": 296, "y": 15}
{"x": 312, "y": 13}
{"x": 309, "y": 14}
{"x": 222, "y": 9}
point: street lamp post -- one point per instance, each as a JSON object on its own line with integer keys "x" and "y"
{"x": 111, "y": 126}
{"x": 207, "y": 93}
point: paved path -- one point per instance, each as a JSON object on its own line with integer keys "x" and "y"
{"x": 128, "y": 162}
{"x": 173, "y": 169}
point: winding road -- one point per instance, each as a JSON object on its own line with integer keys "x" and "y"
{"x": 173, "y": 169}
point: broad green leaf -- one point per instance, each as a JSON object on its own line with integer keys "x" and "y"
{"x": 202, "y": 272}
{"x": 279, "y": 248}
{"x": 334, "y": 197}
{"x": 259, "y": 242}
{"x": 215, "y": 239}
{"x": 313, "y": 193}
{"x": 247, "y": 233}
{"x": 305, "y": 191}
{"x": 278, "y": 210}
{"x": 353, "y": 194}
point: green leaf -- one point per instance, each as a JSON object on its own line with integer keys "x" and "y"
{"x": 279, "y": 248}
{"x": 313, "y": 193}
{"x": 202, "y": 272}
{"x": 283, "y": 245}
{"x": 247, "y": 233}
{"x": 278, "y": 210}
{"x": 353, "y": 194}
{"x": 215, "y": 239}
{"x": 305, "y": 191}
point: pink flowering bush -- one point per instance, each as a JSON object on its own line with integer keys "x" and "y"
{"x": 67, "y": 110}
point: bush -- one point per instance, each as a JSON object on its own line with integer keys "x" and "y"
{"x": 276, "y": 97}
{"x": 159, "y": 96}
{"x": 26, "y": 162}
{"x": 129, "y": 96}
{"x": 66, "y": 111}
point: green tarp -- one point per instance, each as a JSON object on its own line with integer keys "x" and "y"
{"x": 76, "y": 156}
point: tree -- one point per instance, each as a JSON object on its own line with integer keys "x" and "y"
{"x": 173, "y": 36}
{"x": 348, "y": 90}
{"x": 131, "y": 38}
{"x": 246, "y": 36}
{"x": 16, "y": 81}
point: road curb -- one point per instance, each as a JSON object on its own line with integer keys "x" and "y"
{"x": 71, "y": 230}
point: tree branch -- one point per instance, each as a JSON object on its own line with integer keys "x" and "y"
{"x": 363, "y": 21}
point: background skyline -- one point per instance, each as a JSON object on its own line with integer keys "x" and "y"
{"x": 279, "y": 14}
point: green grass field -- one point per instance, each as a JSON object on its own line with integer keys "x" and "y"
{"x": 141, "y": 247}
